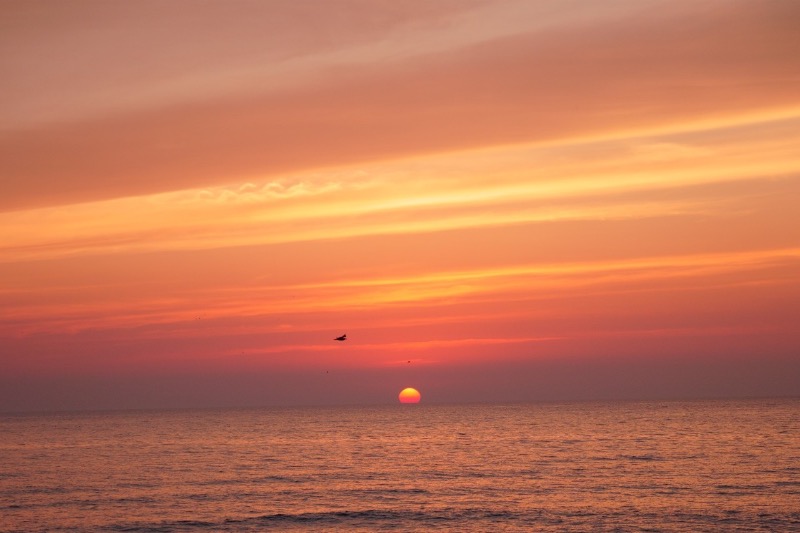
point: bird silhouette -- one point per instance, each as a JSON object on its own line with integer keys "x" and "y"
{"x": 342, "y": 338}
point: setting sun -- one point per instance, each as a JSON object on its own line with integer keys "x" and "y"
{"x": 409, "y": 395}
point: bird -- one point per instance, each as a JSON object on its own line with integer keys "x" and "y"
{"x": 342, "y": 338}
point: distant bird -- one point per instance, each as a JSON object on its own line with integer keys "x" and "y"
{"x": 342, "y": 338}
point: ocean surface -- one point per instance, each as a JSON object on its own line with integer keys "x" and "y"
{"x": 614, "y": 466}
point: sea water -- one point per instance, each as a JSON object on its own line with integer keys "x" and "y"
{"x": 621, "y": 466}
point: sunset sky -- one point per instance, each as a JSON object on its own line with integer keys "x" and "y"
{"x": 511, "y": 200}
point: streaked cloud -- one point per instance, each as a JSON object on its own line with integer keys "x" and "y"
{"x": 496, "y": 186}
{"x": 644, "y": 67}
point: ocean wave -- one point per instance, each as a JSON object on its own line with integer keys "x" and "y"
{"x": 474, "y": 519}
{"x": 386, "y": 515}
{"x": 367, "y": 518}
{"x": 165, "y": 527}
{"x": 468, "y": 519}
{"x": 643, "y": 457}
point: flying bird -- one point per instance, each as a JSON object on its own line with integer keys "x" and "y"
{"x": 342, "y": 338}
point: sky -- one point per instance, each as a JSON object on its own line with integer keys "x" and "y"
{"x": 518, "y": 200}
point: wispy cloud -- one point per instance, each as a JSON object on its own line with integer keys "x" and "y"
{"x": 603, "y": 179}
{"x": 546, "y": 77}
{"x": 201, "y": 306}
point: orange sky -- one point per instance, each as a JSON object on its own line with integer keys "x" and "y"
{"x": 513, "y": 200}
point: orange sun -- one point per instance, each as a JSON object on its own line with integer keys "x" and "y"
{"x": 409, "y": 395}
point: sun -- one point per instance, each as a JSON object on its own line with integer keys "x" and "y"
{"x": 409, "y": 395}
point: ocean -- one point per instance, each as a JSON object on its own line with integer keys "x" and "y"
{"x": 604, "y": 466}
